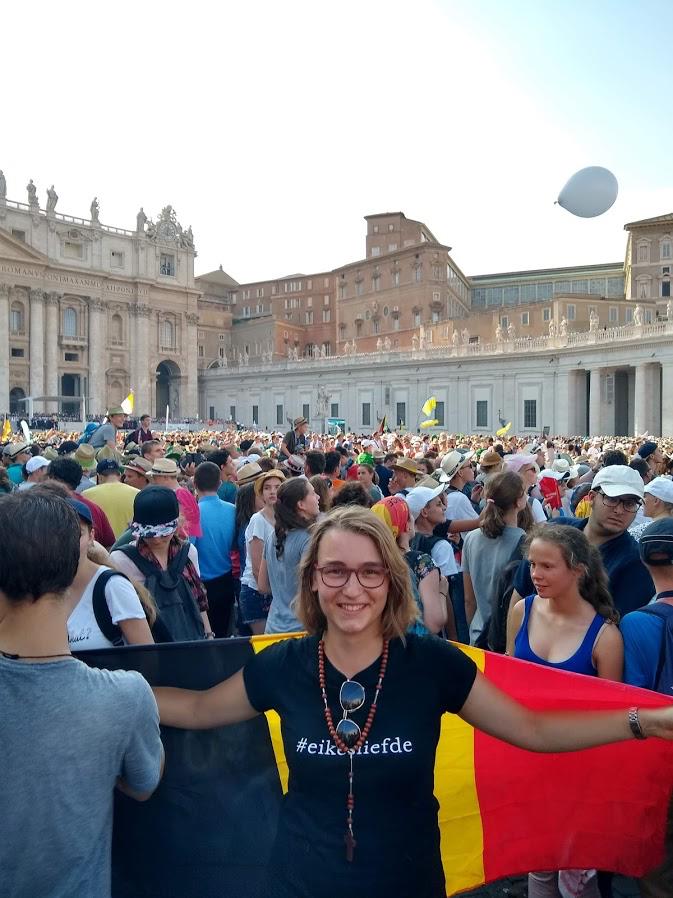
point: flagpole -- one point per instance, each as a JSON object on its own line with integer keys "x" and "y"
{"x": 167, "y": 410}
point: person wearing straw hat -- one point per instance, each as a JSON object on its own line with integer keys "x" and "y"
{"x": 106, "y": 435}
{"x": 164, "y": 472}
{"x": 294, "y": 440}
{"x": 405, "y": 475}
{"x": 17, "y": 454}
{"x": 86, "y": 456}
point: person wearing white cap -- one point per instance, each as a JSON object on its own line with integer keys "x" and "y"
{"x": 427, "y": 510}
{"x": 526, "y": 467}
{"x": 615, "y": 496}
{"x": 657, "y": 503}
{"x": 34, "y": 471}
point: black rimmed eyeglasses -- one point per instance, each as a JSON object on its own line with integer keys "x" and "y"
{"x": 370, "y": 576}
{"x": 628, "y": 503}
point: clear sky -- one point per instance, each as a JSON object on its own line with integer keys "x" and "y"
{"x": 273, "y": 128}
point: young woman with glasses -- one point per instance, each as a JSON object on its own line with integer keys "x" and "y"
{"x": 569, "y": 624}
{"x": 361, "y": 704}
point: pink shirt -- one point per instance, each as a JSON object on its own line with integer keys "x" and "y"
{"x": 190, "y": 511}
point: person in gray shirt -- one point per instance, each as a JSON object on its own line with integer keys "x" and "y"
{"x": 68, "y": 733}
{"x": 487, "y": 550}
{"x": 106, "y": 435}
{"x": 296, "y": 508}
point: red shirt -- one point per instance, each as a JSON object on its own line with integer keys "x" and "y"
{"x": 102, "y": 529}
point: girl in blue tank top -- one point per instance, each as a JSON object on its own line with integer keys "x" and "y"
{"x": 569, "y": 624}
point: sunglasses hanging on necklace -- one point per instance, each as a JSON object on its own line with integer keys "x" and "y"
{"x": 347, "y": 735}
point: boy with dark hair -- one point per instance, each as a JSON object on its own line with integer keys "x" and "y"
{"x": 86, "y": 730}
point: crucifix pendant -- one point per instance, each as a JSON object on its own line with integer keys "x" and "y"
{"x": 350, "y": 845}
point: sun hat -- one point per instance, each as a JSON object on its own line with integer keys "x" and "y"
{"x": 115, "y": 410}
{"x": 454, "y": 461}
{"x": 86, "y": 456}
{"x": 419, "y": 496}
{"x": 657, "y": 540}
{"x": 50, "y": 453}
{"x": 520, "y": 460}
{"x": 165, "y": 467}
{"x": 15, "y": 449}
{"x": 408, "y": 465}
{"x": 660, "y": 487}
{"x": 299, "y": 421}
{"x": 267, "y": 475}
{"x": 35, "y": 463}
{"x": 248, "y": 472}
{"x": 295, "y": 463}
{"x": 619, "y": 480}
{"x": 107, "y": 452}
{"x": 394, "y": 512}
{"x": 490, "y": 459}
{"x": 140, "y": 465}
{"x": 67, "y": 447}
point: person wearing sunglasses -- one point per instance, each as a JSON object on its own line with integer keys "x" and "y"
{"x": 361, "y": 702}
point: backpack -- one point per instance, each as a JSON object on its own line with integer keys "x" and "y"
{"x": 101, "y": 611}
{"x": 494, "y": 634}
{"x": 89, "y": 431}
{"x": 663, "y": 680}
{"x": 173, "y": 597}
{"x": 425, "y": 542}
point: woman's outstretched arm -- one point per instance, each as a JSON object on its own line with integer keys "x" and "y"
{"x": 190, "y": 709}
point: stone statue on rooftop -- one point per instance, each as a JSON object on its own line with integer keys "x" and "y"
{"x": 3, "y": 186}
{"x": 141, "y": 221}
{"x": 511, "y": 331}
{"x": 52, "y": 199}
{"x": 593, "y": 320}
{"x": 32, "y": 194}
{"x": 94, "y": 209}
{"x": 638, "y": 316}
{"x": 563, "y": 329}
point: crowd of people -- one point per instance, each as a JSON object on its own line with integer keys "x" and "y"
{"x": 385, "y": 549}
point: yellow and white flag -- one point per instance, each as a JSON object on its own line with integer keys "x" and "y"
{"x": 429, "y": 406}
{"x": 6, "y": 429}
{"x": 127, "y": 404}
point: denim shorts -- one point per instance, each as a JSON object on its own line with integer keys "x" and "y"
{"x": 253, "y": 604}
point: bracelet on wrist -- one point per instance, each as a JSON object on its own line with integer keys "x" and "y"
{"x": 634, "y": 724}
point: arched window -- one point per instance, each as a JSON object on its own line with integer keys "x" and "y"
{"x": 328, "y": 348}
{"x": 117, "y": 328}
{"x": 167, "y": 334}
{"x": 16, "y": 320}
{"x": 69, "y": 323}
{"x": 666, "y": 249}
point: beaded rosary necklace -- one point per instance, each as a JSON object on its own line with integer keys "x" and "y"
{"x": 349, "y": 837}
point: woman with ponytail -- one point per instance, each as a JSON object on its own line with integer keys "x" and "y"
{"x": 487, "y": 550}
{"x": 569, "y": 624}
{"x": 297, "y": 507}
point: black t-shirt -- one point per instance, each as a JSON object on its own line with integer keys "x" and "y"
{"x": 395, "y": 817}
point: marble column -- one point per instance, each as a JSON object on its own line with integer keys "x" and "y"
{"x": 667, "y": 399}
{"x": 641, "y": 416}
{"x": 37, "y": 347}
{"x": 4, "y": 348}
{"x": 140, "y": 359}
{"x": 190, "y": 398}
{"x": 97, "y": 358}
{"x": 595, "y": 403}
{"x": 563, "y": 395}
{"x": 51, "y": 367}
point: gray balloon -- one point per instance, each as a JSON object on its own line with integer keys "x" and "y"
{"x": 590, "y": 192}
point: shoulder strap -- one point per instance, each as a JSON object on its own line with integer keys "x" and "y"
{"x": 101, "y": 610}
{"x": 144, "y": 566}
{"x": 664, "y": 612}
{"x": 178, "y": 564}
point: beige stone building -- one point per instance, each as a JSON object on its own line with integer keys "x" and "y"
{"x": 89, "y": 311}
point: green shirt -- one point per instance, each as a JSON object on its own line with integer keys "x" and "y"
{"x": 227, "y": 492}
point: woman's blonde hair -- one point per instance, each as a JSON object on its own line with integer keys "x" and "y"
{"x": 400, "y": 610}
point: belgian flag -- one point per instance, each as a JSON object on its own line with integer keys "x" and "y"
{"x": 209, "y": 828}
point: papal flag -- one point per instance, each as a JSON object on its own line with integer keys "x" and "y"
{"x": 209, "y": 828}
{"x": 503, "y": 431}
{"x": 6, "y": 429}
{"x": 128, "y": 403}
{"x": 429, "y": 406}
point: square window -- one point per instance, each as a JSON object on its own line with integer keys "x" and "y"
{"x": 255, "y": 414}
{"x": 116, "y": 259}
{"x": 504, "y": 322}
{"x": 71, "y": 356}
{"x": 417, "y": 319}
{"x": 530, "y": 413}
{"x": 401, "y": 413}
{"x": 326, "y": 316}
{"x": 334, "y": 410}
{"x": 613, "y": 315}
{"x": 525, "y": 319}
{"x": 167, "y": 265}
{"x": 392, "y": 247}
{"x": 73, "y": 250}
{"x": 279, "y": 414}
{"x": 305, "y": 411}
{"x": 571, "y": 310}
{"x": 325, "y": 299}
{"x": 376, "y": 250}
{"x": 439, "y": 414}
{"x": 366, "y": 414}
{"x": 482, "y": 413}
{"x": 19, "y": 235}
{"x": 375, "y": 229}
{"x": 17, "y": 353}
{"x": 546, "y": 314}
{"x": 202, "y": 351}
{"x": 391, "y": 228}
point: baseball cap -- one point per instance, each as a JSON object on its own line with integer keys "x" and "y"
{"x": 619, "y": 480}
{"x": 419, "y": 496}
{"x": 108, "y": 466}
{"x": 656, "y": 542}
{"x": 83, "y": 512}
{"x": 647, "y": 448}
{"x": 660, "y": 487}
{"x": 520, "y": 460}
{"x": 35, "y": 463}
